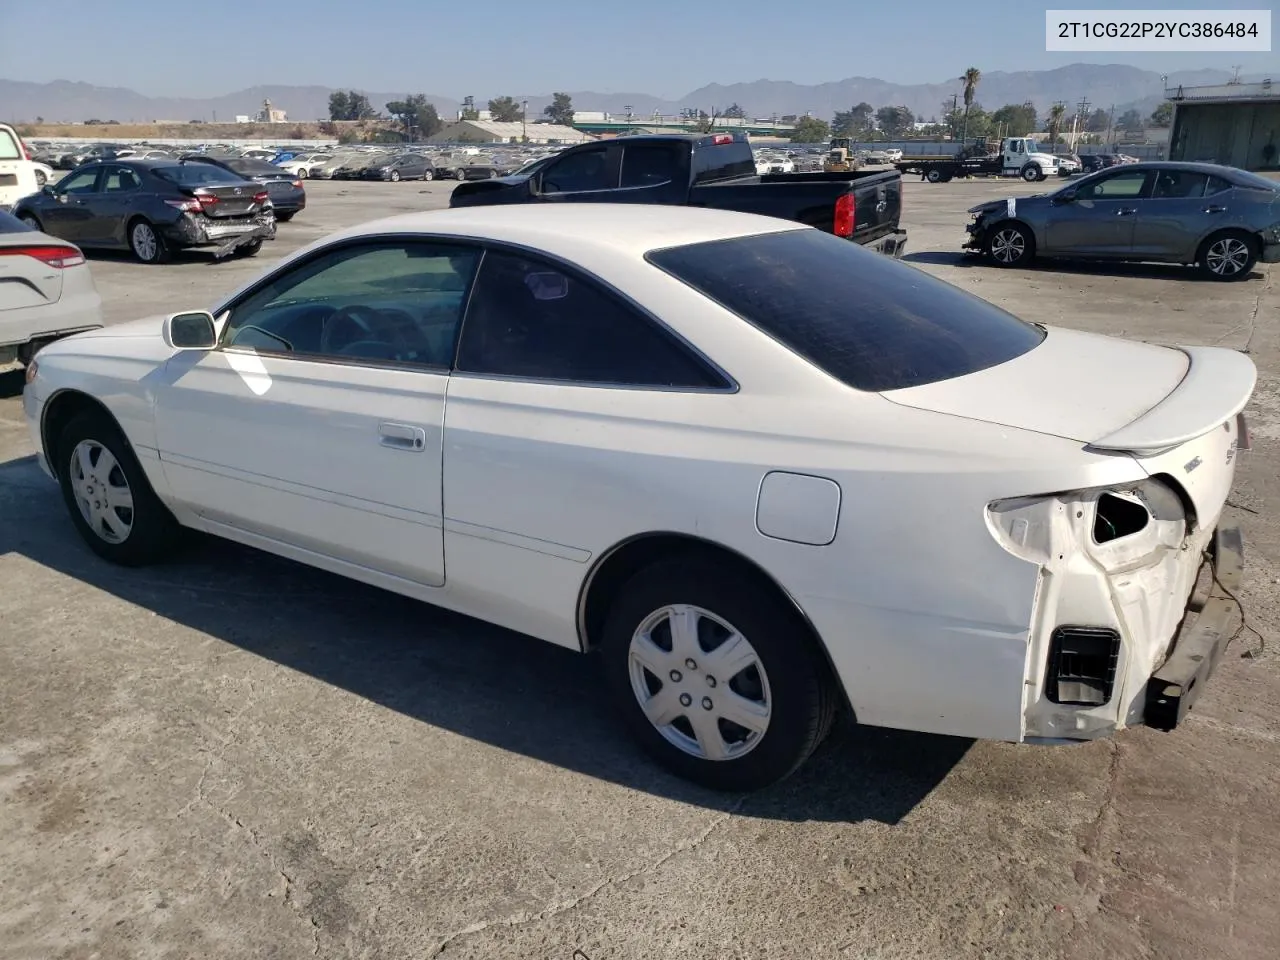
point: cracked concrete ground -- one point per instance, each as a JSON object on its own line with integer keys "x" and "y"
{"x": 234, "y": 756}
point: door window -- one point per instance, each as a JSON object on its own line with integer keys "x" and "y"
{"x": 1216, "y": 185}
{"x": 77, "y": 183}
{"x": 1179, "y": 185}
{"x": 577, "y": 172}
{"x": 1118, "y": 186}
{"x": 120, "y": 180}
{"x": 398, "y": 303}
{"x": 535, "y": 320}
{"x": 649, "y": 164}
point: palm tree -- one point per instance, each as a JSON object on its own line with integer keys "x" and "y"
{"x": 1057, "y": 113}
{"x": 970, "y": 79}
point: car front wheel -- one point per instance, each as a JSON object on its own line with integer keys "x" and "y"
{"x": 107, "y": 494}
{"x": 717, "y": 678}
{"x": 1010, "y": 245}
{"x": 1228, "y": 256}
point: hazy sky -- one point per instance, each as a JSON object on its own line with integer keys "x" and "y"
{"x": 530, "y": 47}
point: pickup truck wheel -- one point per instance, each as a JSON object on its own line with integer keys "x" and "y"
{"x": 1010, "y": 245}
{"x": 1229, "y": 255}
{"x": 934, "y": 176}
{"x": 1031, "y": 173}
{"x": 111, "y": 503}
{"x": 716, "y": 678}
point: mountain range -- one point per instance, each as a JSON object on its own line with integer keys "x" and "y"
{"x": 1103, "y": 85}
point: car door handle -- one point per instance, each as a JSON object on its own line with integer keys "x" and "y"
{"x": 1126, "y": 212}
{"x": 1214, "y": 208}
{"x": 402, "y": 436}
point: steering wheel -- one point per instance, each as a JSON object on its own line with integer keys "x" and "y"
{"x": 361, "y": 323}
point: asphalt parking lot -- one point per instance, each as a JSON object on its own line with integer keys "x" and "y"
{"x": 234, "y": 756}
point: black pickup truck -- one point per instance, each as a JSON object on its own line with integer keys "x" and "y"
{"x": 708, "y": 170}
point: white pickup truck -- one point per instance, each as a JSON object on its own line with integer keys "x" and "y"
{"x": 17, "y": 171}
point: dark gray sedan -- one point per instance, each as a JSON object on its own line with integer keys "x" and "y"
{"x": 1222, "y": 219}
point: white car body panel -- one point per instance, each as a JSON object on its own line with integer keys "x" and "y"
{"x": 40, "y": 301}
{"x": 17, "y": 173}
{"x": 934, "y": 607}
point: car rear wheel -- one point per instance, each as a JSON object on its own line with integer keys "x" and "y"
{"x": 145, "y": 242}
{"x": 111, "y": 503}
{"x": 395, "y": 176}
{"x": 717, "y": 678}
{"x": 31, "y": 222}
{"x": 302, "y": 173}
{"x": 429, "y": 175}
{"x": 249, "y": 249}
{"x": 1228, "y": 256}
{"x": 460, "y": 174}
{"x": 1010, "y": 245}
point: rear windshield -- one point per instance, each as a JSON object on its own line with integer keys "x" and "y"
{"x": 721, "y": 161}
{"x": 11, "y": 224}
{"x": 9, "y": 147}
{"x": 250, "y": 165}
{"x": 867, "y": 320}
{"x": 196, "y": 174}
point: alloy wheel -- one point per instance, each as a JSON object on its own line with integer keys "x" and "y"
{"x": 144, "y": 240}
{"x": 1227, "y": 257}
{"x": 1008, "y": 246}
{"x": 700, "y": 682}
{"x": 101, "y": 491}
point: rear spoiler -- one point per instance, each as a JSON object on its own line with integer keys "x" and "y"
{"x": 1217, "y": 385}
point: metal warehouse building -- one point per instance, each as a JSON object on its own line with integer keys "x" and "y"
{"x": 494, "y": 131}
{"x": 1237, "y": 124}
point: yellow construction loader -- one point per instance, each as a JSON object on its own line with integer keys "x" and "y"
{"x": 840, "y": 156}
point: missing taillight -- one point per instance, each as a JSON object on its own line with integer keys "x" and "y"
{"x": 1116, "y": 517}
{"x": 1082, "y": 665}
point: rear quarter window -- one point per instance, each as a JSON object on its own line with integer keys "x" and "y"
{"x": 9, "y": 149}
{"x": 869, "y": 321}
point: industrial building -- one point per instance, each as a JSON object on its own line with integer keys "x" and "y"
{"x": 494, "y": 131}
{"x": 1237, "y": 124}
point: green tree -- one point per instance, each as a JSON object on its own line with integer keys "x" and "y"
{"x": 1162, "y": 116}
{"x": 469, "y": 111}
{"x": 970, "y": 78}
{"x": 1057, "y": 113}
{"x": 1130, "y": 120}
{"x": 350, "y": 105}
{"x": 811, "y": 130}
{"x": 895, "y": 122}
{"x": 1018, "y": 119}
{"x": 854, "y": 122}
{"x": 560, "y": 110}
{"x": 418, "y": 115}
{"x": 734, "y": 112}
{"x": 1098, "y": 121}
{"x": 504, "y": 109}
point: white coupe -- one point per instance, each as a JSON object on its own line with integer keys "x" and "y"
{"x": 764, "y": 473}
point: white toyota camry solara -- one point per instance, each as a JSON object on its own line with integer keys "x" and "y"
{"x": 764, "y": 474}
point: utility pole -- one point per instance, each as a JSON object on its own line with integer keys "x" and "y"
{"x": 1081, "y": 111}
{"x": 524, "y": 121}
{"x": 955, "y": 106}
{"x": 1111, "y": 123}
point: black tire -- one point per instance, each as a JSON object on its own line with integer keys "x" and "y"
{"x": 41, "y": 179}
{"x": 429, "y": 175}
{"x": 1009, "y": 244}
{"x": 302, "y": 173}
{"x": 285, "y": 217}
{"x": 249, "y": 249}
{"x": 1031, "y": 173}
{"x": 1227, "y": 256}
{"x": 153, "y": 532}
{"x": 934, "y": 176}
{"x": 156, "y": 251}
{"x": 31, "y": 221}
{"x": 395, "y": 176}
{"x": 460, "y": 173}
{"x": 791, "y": 677}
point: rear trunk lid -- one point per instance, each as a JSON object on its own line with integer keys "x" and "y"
{"x": 1173, "y": 410}
{"x": 232, "y": 201}
{"x": 29, "y": 276}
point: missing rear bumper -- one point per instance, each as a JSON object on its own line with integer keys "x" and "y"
{"x": 1180, "y": 680}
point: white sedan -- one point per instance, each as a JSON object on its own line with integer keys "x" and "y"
{"x": 764, "y": 473}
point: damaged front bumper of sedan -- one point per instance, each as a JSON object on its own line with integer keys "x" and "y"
{"x": 225, "y": 234}
{"x": 1134, "y": 608}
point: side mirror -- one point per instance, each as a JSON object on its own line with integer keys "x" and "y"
{"x": 48, "y": 190}
{"x": 1068, "y": 196}
{"x": 190, "y": 331}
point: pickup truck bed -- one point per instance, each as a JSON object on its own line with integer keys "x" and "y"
{"x": 712, "y": 170}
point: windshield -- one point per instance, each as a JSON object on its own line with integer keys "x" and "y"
{"x": 865, "y": 319}
{"x": 196, "y": 174}
{"x": 1033, "y": 147}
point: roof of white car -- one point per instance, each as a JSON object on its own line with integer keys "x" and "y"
{"x": 633, "y": 229}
